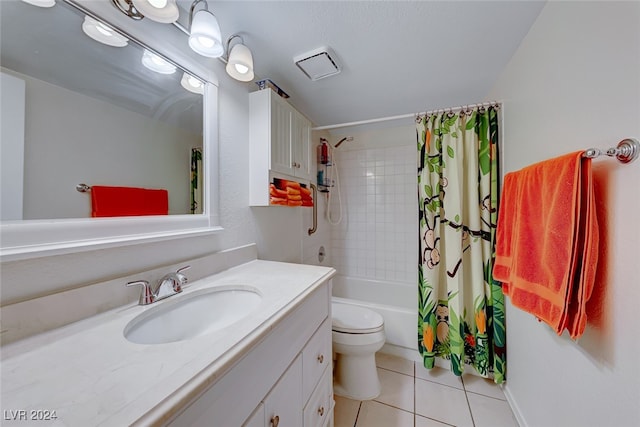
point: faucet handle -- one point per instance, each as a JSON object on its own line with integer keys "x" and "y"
{"x": 146, "y": 295}
{"x": 182, "y": 279}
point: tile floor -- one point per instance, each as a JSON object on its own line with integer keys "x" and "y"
{"x": 415, "y": 397}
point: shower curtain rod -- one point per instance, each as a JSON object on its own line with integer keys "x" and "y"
{"x": 406, "y": 116}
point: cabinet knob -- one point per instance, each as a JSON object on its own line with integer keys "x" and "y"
{"x": 320, "y": 358}
{"x": 275, "y": 421}
{"x": 321, "y": 411}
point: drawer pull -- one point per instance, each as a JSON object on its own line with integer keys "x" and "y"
{"x": 320, "y": 359}
{"x": 321, "y": 411}
{"x": 275, "y": 421}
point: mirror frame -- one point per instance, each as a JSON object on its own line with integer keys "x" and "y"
{"x": 38, "y": 238}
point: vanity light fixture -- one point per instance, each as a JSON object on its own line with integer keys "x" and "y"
{"x": 192, "y": 84}
{"x": 164, "y": 11}
{"x": 157, "y": 64}
{"x": 41, "y": 3}
{"x": 240, "y": 61}
{"x": 205, "y": 37}
{"x": 102, "y": 33}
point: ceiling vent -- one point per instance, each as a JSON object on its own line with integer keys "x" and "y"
{"x": 318, "y": 63}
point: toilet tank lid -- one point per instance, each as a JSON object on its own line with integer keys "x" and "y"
{"x": 354, "y": 319}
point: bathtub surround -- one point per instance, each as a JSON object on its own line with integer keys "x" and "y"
{"x": 461, "y": 308}
{"x": 376, "y": 237}
{"x": 580, "y": 81}
{"x": 394, "y": 301}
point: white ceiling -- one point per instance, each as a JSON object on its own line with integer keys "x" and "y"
{"x": 397, "y": 57}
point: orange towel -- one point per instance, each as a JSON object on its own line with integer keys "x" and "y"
{"x": 547, "y": 241}
{"x": 277, "y": 201}
{"x": 128, "y": 201}
{"x": 293, "y": 185}
{"x": 274, "y": 191}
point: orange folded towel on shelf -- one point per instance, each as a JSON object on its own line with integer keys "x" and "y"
{"x": 547, "y": 241}
{"x": 293, "y": 185}
{"x": 275, "y": 192}
{"x": 128, "y": 201}
{"x": 293, "y": 191}
{"x": 278, "y": 201}
{"x": 305, "y": 192}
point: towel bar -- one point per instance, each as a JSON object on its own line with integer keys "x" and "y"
{"x": 626, "y": 152}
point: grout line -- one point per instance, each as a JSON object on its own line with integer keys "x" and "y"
{"x": 415, "y": 397}
{"x": 434, "y": 419}
{"x": 355, "y": 423}
{"x": 394, "y": 407}
{"x": 395, "y": 372}
{"x": 442, "y": 384}
{"x": 486, "y": 395}
{"x": 468, "y": 404}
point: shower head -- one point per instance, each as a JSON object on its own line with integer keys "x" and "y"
{"x": 346, "y": 138}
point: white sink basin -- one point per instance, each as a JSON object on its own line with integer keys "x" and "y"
{"x": 182, "y": 317}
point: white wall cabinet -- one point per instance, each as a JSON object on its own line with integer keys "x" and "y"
{"x": 283, "y": 381}
{"x": 279, "y": 144}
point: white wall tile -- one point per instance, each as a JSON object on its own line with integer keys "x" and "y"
{"x": 379, "y": 228}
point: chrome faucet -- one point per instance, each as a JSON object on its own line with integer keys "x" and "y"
{"x": 169, "y": 285}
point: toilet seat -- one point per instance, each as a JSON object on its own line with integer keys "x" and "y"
{"x": 351, "y": 319}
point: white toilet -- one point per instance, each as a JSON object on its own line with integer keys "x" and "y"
{"x": 357, "y": 334}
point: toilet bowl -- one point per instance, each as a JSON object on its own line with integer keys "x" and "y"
{"x": 357, "y": 333}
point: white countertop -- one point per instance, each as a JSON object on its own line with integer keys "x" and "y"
{"x": 90, "y": 375}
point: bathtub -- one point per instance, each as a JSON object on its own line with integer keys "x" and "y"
{"x": 396, "y": 302}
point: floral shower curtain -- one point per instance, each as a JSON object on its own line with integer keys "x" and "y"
{"x": 461, "y": 308}
{"x": 196, "y": 181}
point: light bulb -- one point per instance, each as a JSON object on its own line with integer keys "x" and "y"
{"x": 192, "y": 84}
{"x": 104, "y": 29}
{"x": 159, "y": 4}
{"x": 242, "y": 69}
{"x": 157, "y": 64}
{"x": 206, "y": 41}
{"x": 102, "y": 33}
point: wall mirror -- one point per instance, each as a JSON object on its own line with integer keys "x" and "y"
{"x": 84, "y": 102}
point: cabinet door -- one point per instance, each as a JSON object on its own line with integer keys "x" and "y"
{"x": 281, "y": 155}
{"x": 301, "y": 145}
{"x": 283, "y": 404}
{"x": 257, "y": 418}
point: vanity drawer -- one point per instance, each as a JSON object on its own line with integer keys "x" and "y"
{"x": 318, "y": 408}
{"x": 316, "y": 356}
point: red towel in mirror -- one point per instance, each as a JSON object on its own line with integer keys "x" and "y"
{"x": 128, "y": 201}
{"x": 547, "y": 241}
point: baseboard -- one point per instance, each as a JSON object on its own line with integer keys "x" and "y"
{"x": 514, "y": 406}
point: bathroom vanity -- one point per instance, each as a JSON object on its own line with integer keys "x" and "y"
{"x": 270, "y": 367}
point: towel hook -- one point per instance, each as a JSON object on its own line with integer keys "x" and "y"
{"x": 83, "y": 188}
